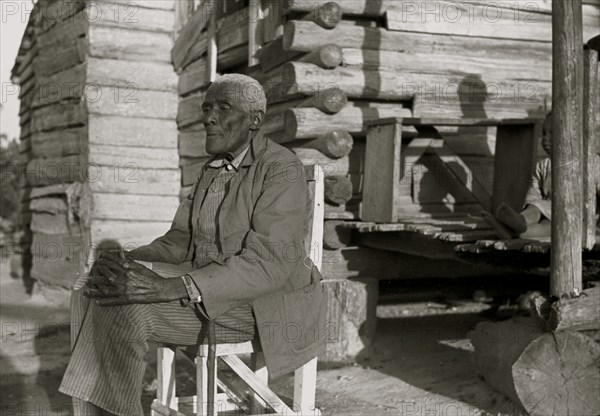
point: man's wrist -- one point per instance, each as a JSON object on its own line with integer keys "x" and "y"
{"x": 175, "y": 289}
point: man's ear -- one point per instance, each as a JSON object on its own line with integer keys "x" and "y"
{"x": 258, "y": 118}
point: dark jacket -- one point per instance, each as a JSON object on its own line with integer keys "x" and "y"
{"x": 262, "y": 258}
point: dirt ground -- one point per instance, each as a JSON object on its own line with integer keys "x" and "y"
{"x": 419, "y": 365}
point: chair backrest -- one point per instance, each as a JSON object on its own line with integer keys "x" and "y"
{"x": 316, "y": 188}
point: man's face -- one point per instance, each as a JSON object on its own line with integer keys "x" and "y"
{"x": 227, "y": 124}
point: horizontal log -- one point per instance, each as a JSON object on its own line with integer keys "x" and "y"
{"x": 131, "y": 131}
{"x": 190, "y": 44}
{"x": 353, "y": 163}
{"x": 126, "y": 74}
{"x": 232, "y": 57}
{"x": 327, "y": 15}
{"x": 335, "y": 235}
{"x": 63, "y": 33}
{"x": 130, "y": 16}
{"x": 129, "y": 45}
{"x": 301, "y": 78}
{"x": 61, "y": 86}
{"x": 191, "y": 171}
{"x": 377, "y": 8}
{"x": 193, "y": 77}
{"x": 131, "y": 102}
{"x": 60, "y": 57}
{"x": 133, "y": 157}
{"x": 576, "y": 314}
{"x": 192, "y": 143}
{"x": 134, "y": 207}
{"x": 326, "y": 56}
{"x": 527, "y": 68}
{"x": 338, "y": 189}
{"x": 333, "y": 144}
{"x": 59, "y": 143}
{"x": 58, "y": 259}
{"x": 272, "y": 55}
{"x": 130, "y": 234}
{"x": 60, "y": 115}
{"x": 303, "y": 36}
{"x": 190, "y": 110}
{"x": 57, "y": 170}
{"x": 58, "y": 11}
{"x": 474, "y": 20}
{"x": 329, "y": 101}
{"x": 130, "y": 179}
{"x": 305, "y": 123}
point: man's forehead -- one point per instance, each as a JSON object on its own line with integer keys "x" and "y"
{"x": 230, "y": 90}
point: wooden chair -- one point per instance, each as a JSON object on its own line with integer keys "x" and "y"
{"x": 255, "y": 376}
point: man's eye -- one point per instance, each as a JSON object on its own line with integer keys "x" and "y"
{"x": 224, "y": 107}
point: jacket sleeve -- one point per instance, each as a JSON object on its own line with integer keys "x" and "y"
{"x": 271, "y": 249}
{"x": 173, "y": 246}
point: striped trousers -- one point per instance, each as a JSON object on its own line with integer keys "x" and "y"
{"x": 109, "y": 344}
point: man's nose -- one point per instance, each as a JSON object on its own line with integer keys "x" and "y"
{"x": 210, "y": 117}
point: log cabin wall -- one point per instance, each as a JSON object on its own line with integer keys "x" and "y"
{"x": 98, "y": 129}
{"x": 330, "y": 67}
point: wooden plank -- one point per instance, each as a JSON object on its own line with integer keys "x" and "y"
{"x": 591, "y": 139}
{"x": 135, "y": 157}
{"x": 133, "y": 180}
{"x": 303, "y": 78}
{"x": 408, "y": 243}
{"x": 382, "y": 173}
{"x": 528, "y": 68}
{"x": 60, "y": 115}
{"x": 49, "y": 171}
{"x": 129, "y": 45}
{"x": 513, "y": 174}
{"x": 193, "y": 77}
{"x": 63, "y": 33}
{"x": 62, "y": 86}
{"x": 130, "y": 16}
{"x": 190, "y": 110}
{"x": 60, "y": 57}
{"x": 462, "y": 172}
{"x": 128, "y": 101}
{"x": 132, "y": 131}
{"x": 58, "y": 143}
{"x": 303, "y": 36}
{"x": 307, "y": 123}
{"x": 480, "y": 21}
{"x": 192, "y": 143}
{"x": 191, "y": 42}
{"x": 131, "y": 75}
{"x": 567, "y": 122}
{"x": 255, "y": 384}
{"x": 130, "y": 234}
{"x": 152, "y": 208}
{"x": 165, "y": 392}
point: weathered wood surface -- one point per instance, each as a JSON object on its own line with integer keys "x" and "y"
{"x": 57, "y": 259}
{"x": 567, "y": 122}
{"x": 120, "y": 73}
{"x": 327, "y": 56}
{"x": 334, "y": 144}
{"x": 58, "y": 115}
{"x": 130, "y": 179}
{"x": 131, "y": 131}
{"x": 192, "y": 143}
{"x": 60, "y": 56}
{"x": 189, "y": 46}
{"x": 591, "y": 143}
{"x": 351, "y": 318}
{"x": 539, "y": 370}
{"x": 131, "y": 16}
{"x": 576, "y": 314}
{"x": 131, "y": 102}
{"x": 338, "y": 189}
{"x": 193, "y": 77}
{"x": 377, "y": 8}
{"x": 327, "y": 15}
{"x": 301, "y": 36}
{"x": 59, "y": 143}
{"x": 155, "y": 208}
{"x": 303, "y": 78}
{"x": 306, "y": 123}
{"x": 189, "y": 111}
{"x": 335, "y": 235}
{"x": 129, "y": 45}
{"x": 136, "y": 157}
{"x": 480, "y": 21}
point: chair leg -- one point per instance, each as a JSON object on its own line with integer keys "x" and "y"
{"x": 201, "y": 408}
{"x": 258, "y": 365}
{"x": 305, "y": 387}
{"x": 165, "y": 392}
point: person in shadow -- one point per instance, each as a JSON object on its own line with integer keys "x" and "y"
{"x": 534, "y": 221}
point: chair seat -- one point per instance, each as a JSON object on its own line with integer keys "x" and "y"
{"x": 231, "y": 349}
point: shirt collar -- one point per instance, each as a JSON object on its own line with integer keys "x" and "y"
{"x": 221, "y": 161}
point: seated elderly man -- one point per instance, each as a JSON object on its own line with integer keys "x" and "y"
{"x": 235, "y": 257}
